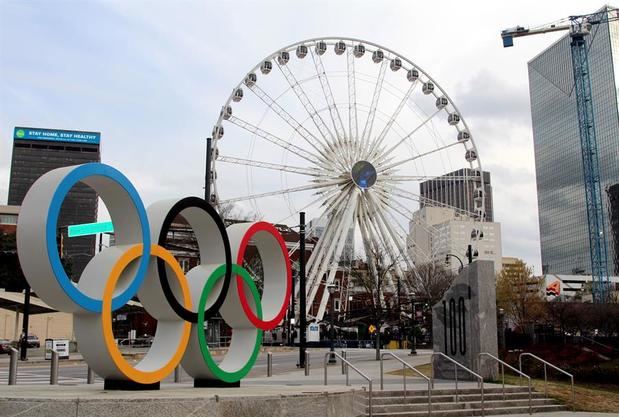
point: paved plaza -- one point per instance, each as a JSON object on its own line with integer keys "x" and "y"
{"x": 36, "y": 370}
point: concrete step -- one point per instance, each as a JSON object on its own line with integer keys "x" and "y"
{"x": 475, "y": 411}
{"x": 417, "y": 399}
{"x": 448, "y": 391}
{"x": 447, "y": 406}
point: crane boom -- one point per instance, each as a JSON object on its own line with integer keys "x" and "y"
{"x": 508, "y": 35}
{"x": 580, "y": 27}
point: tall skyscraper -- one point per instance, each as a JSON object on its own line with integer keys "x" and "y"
{"x": 37, "y": 151}
{"x": 613, "y": 213}
{"x": 457, "y": 189}
{"x": 564, "y": 229}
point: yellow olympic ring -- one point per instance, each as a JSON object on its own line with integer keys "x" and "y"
{"x": 143, "y": 376}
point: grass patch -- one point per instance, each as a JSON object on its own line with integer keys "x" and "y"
{"x": 592, "y": 397}
{"x": 425, "y": 369}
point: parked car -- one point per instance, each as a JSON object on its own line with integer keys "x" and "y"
{"x": 5, "y": 346}
{"x": 137, "y": 342}
{"x": 33, "y": 341}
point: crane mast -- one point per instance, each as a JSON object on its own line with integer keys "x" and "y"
{"x": 579, "y": 28}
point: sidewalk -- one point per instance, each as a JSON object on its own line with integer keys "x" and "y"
{"x": 293, "y": 383}
{"x": 369, "y": 366}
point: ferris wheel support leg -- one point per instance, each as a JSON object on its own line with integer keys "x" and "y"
{"x": 392, "y": 233}
{"x": 339, "y": 234}
{"x": 367, "y": 246}
{"x": 375, "y": 259}
{"x": 328, "y": 255}
{"x": 345, "y": 226}
{"x": 323, "y": 253}
{"x": 387, "y": 244}
{"x": 333, "y": 205}
{"x": 331, "y": 214}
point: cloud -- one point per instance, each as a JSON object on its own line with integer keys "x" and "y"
{"x": 486, "y": 96}
{"x": 152, "y": 75}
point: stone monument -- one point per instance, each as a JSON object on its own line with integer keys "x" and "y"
{"x": 464, "y": 323}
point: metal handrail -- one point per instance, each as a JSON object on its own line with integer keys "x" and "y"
{"x": 480, "y": 379}
{"x": 546, "y": 375}
{"x": 503, "y": 364}
{"x": 404, "y": 366}
{"x": 354, "y": 368}
{"x": 595, "y": 342}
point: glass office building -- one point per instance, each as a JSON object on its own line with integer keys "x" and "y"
{"x": 558, "y": 158}
{"x": 613, "y": 204}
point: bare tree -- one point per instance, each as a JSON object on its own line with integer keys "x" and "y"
{"x": 430, "y": 281}
{"x": 232, "y": 213}
{"x": 375, "y": 282}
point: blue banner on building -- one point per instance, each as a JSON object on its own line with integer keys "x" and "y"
{"x": 31, "y": 133}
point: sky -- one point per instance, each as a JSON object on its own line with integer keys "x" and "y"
{"x": 151, "y": 76}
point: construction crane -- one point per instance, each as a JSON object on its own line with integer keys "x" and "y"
{"x": 579, "y": 28}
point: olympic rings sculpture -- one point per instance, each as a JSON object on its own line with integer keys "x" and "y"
{"x": 140, "y": 265}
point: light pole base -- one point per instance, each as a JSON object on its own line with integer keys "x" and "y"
{"x": 332, "y": 360}
{"x": 413, "y": 353}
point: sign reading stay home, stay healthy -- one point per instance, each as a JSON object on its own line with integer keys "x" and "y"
{"x": 32, "y": 133}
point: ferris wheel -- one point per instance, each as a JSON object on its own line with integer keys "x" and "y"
{"x": 345, "y": 130}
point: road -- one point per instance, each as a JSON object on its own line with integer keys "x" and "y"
{"x": 72, "y": 373}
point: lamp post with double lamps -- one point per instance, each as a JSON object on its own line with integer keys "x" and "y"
{"x": 331, "y": 288}
{"x": 413, "y": 325}
{"x": 457, "y": 257}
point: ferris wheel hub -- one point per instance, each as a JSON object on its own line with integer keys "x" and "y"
{"x": 363, "y": 174}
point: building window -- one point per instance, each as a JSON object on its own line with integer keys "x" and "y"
{"x": 184, "y": 263}
{"x": 8, "y": 219}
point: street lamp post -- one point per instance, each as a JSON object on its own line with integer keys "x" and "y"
{"x": 207, "y": 171}
{"x": 413, "y": 326}
{"x": 399, "y": 316}
{"x": 501, "y": 327}
{"x": 23, "y": 354}
{"x": 302, "y": 301}
{"x": 331, "y": 288}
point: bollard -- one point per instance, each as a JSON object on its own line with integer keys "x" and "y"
{"x": 343, "y": 363}
{"x": 53, "y": 374}
{"x": 13, "y": 367}
{"x": 269, "y": 364}
{"x": 307, "y": 363}
{"x": 177, "y": 374}
{"x": 90, "y": 376}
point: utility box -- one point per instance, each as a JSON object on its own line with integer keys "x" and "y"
{"x": 313, "y": 333}
{"x": 59, "y": 345}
